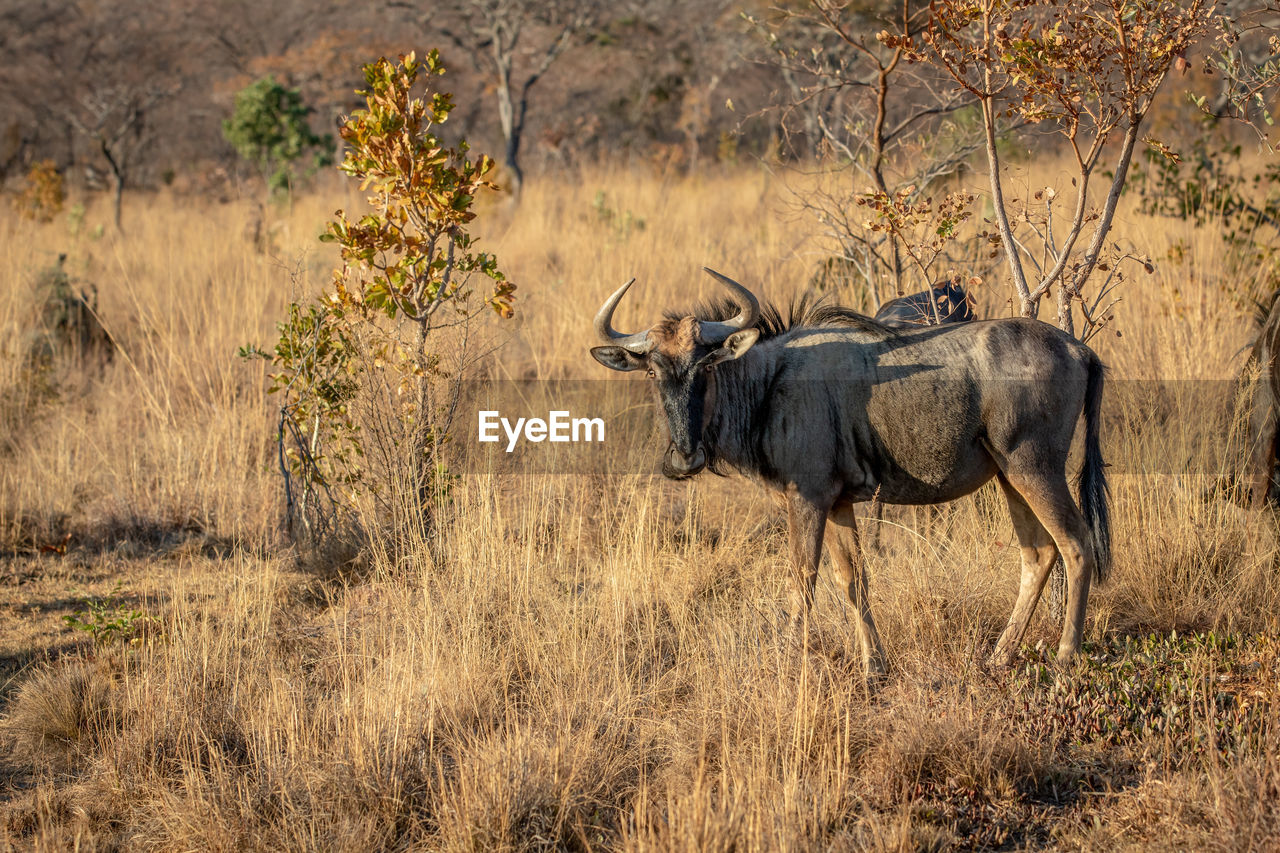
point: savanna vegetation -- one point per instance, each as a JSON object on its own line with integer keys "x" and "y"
{"x": 449, "y": 657}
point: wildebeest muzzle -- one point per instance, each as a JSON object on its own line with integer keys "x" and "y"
{"x": 677, "y": 466}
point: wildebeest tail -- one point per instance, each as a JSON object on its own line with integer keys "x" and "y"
{"x": 1094, "y": 492}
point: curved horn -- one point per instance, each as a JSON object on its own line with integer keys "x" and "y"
{"x": 748, "y": 311}
{"x": 637, "y": 343}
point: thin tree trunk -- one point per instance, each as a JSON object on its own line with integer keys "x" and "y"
{"x": 423, "y": 452}
{"x": 511, "y": 128}
{"x": 117, "y": 178}
{"x": 513, "y": 162}
{"x": 877, "y": 161}
{"x": 1028, "y": 307}
{"x": 1065, "y": 321}
{"x": 1109, "y": 207}
{"x": 118, "y": 187}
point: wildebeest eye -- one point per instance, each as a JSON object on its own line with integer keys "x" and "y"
{"x": 650, "y": 373}
{"x": 710, "y": 367}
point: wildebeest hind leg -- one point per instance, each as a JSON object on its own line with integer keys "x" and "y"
{"x": 1050, "y": 499}
{"x": 1038, "y": 555}
{"x": 846, "y": 551}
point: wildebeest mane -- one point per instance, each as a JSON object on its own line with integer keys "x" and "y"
{"x": 803, "y": 311}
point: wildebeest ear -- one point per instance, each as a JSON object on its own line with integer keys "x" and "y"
{"x": 734, "y": 346}
{"x": 617, "y": 358}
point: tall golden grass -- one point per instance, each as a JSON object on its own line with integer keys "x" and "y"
{"x": 590, "y": 662}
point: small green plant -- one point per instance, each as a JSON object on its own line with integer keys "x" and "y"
{"x": 1185, "y": 695}
{"x": 108, "y": 619}
{"x": 75, "y": 220}
{"x": 622, "y": 223}
{"x": 320, "y": 448}
{"x": 270, "y": 129}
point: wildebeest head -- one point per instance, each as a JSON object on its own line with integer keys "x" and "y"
{"x": 946, "y": 302}
{"x": 680, "y": 356}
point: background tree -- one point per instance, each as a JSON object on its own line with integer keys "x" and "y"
{"x": 314, "y": 46}
{"x": 94, "y": 83}
{"x": 514, "y": 42}
{"x": 1086, "y": 71}
{"x": 115, "y": 119}
{"x": 270, "y": 128}
{"x": 856, "y": 102}
{"x": 647, "y": 61}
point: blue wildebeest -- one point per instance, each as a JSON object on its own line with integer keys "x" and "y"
{"x": 943, "y": 303}
{"x": 830, "y": 408}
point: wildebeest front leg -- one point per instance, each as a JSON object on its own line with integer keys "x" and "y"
{"x": 847, "y": 553}
{"x": 805, "y": 522}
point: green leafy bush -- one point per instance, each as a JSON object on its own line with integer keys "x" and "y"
{"x": 270, "y": 129}
{"x": 361, "y": 388}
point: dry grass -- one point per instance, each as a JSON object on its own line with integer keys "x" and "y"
{"x": 590, "y": 662}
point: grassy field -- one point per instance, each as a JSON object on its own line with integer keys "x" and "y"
{"x": 590, "y": 662}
